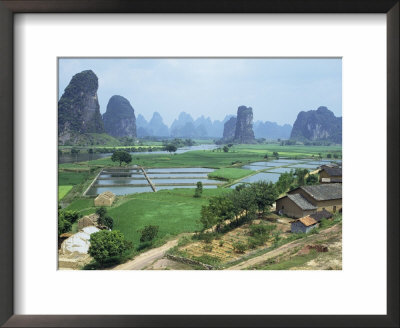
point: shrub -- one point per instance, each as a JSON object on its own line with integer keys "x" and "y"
{"x": 221, "y": 243}
{"x": 101, "y": 211}
{"x": 239, "y": 247}
{"x": 252, "y": 243}
{"x": 107, "y": 221}
{"x": 199, "y": 189}
{"x": 71, "y": 216}
{"x": 148, "y": 233}
{"x": 105, "y": 245}
{"x": 261, "y": 229}
{"x": 208, "y": 248}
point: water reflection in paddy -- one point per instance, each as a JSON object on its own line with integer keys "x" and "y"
{"x": 185, "y": 181}
{"x": 179, "y": 187}
{"x": 183, "y": 170}
{"x": 121, "y": 181}
{"x": 123, "y": 190}
{"x": 121, "y": 175}
{"x": 305, "y": 166}
{"x": 281, "y": 170}
{"x": 191, "y": 175}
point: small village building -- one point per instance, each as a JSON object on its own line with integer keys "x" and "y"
{"x": 303, "y": 225}
{"x": 294, "y": 206}
{"x": 88, "y": 221}
{"x": 330, "y": 174}
{"x": 306, "y": 200}
{"x": 104, "y": 199}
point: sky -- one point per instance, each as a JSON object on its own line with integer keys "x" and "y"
{"x": 276, "y": 89}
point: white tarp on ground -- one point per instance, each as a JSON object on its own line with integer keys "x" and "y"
{"x": 78, "y": 242}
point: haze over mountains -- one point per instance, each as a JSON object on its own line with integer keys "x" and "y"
{"x": 79, "y": 113}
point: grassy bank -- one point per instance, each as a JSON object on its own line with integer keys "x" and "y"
{"x": 230, "y": 173}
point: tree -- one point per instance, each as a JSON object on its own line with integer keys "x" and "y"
{"x": 106, "y": 245}
{"x": 101, "y": 211}
{"x": 226, "y": 149}
{"x": 275, "y": 154}
{"x": 107, "y": 221}
{"x": 329, "y": 156}
{"x": 171, "y": 148}
{"x": 312, "y": 179}
{"x": 265, "y": 195}
{"x": 66, "y": 219}
{"x": 300, "y": 175}
{"x": 104, "y": 219}
{"x": 121, "y": 156}
{"x": 244, "y": 202}
{"x": 266, "y": 156}
{"x": 148, "y": 233}
{"x": 219, "y": 210}
{"x": 285, "y": 181}
{"x": 63, "y": 225}
{"x": 199, "y": 189}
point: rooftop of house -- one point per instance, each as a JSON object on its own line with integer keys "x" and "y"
{"x": 321, "y": 192}
{"x": 318, "y": 216}
{"x": 332, "y": 171}
{"x": 306, "y": 221}
{"x": 301, "y": 202}
{"x": 106, "y": 194}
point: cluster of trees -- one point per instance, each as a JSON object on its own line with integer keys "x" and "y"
{"x": 293, "y": 179}
{"x": 177, "y": 142}
{"x": 66, "y": 219}
{"x": 121, "y": 157}
{"x": 243, "y": 204}
{"x": 318, "y": 143}
{"x": 288, "y": 142}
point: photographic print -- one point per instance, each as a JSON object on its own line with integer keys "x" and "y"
{"x": 199, "y": 163}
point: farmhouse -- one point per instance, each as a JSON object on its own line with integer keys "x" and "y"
{"x": 294, "y": 206}
{"x": 329, "y": 174}
{"x": 306, "y": 200}
{"x": 104, "y": 199}
{"x": 88, "y": 221}
{"x": 304, "y": 224}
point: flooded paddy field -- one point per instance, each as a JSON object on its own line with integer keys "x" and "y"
{"x": 134, "y": 180}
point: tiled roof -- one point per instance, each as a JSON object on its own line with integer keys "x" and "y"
{"x": 301, "y": 202}
{"x": 324, "y": 191}
{"x": 333, "y": 171}
{"x": 307, "y": 221}
{"x": 106, "y": 194}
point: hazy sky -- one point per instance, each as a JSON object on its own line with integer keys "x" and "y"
{"x": 276, "y": 89}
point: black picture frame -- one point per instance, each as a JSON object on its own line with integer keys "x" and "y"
{"x": 10, "y": 7}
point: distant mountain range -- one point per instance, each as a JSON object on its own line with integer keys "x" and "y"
{"x": 79, "y": 114}
{"x": 271, "y": 130}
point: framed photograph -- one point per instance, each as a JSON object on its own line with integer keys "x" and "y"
{"x": 188, "y": 164}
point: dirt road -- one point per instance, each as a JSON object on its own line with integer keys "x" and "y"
{"x": 284, "y": 248}
{"x": 146, "y": 259}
